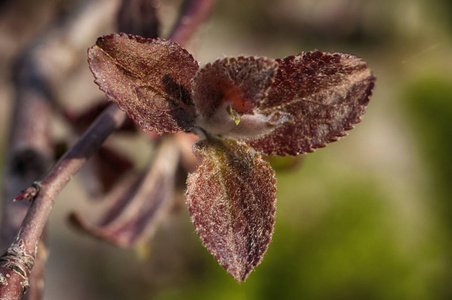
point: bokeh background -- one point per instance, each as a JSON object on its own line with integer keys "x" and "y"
{"x": 368, "y": 217}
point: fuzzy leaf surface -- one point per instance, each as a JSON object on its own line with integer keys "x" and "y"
{"x": 231, "y": 199}
{"x": 228, "y": 93}
{"x": 325, "y": 93}
{"x": 241, "y": 81}
{"x": 149, "y": 79}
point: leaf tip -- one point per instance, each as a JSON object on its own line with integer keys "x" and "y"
{"x": 231, "y": 199}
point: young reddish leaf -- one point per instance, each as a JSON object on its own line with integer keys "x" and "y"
{"x": 325, "y": 93}
{"x": 241, "y": 82}
{"x": 231, "y": 198}
{"x": 227, "y": 92}
{"x": 148, "y": 79}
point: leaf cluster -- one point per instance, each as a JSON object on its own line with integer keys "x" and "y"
{"x": 241, "y": 107}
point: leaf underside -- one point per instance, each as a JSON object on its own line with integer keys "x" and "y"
{"x": 231, "y": 199}
{"x": 325, "y": 93}
{"x": 149, "y": 79}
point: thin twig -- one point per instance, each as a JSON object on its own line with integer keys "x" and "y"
{"x": 18, "y": 261}
{"x": 139, "y": 17}
{"x": 194, "y": 12}
{"x": 29, "y": 156}
{"x": 139, "y": 203}
{"x": 29, "y": 153}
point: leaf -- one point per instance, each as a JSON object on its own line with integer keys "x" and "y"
{"x": 325, "y": 93}
{"x": 139, "y": 203}
{"x": 227, "y": 93}
{"x": 104, "y": 170}
{"x": 231, "y": 199}
{"x": 149, "y": 79}
{"x": 241, "y": 81}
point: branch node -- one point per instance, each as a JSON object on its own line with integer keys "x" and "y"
{"x": 16, "y": 259}
{"x": 25, "y": 286}
{"x": 29, "y": 193}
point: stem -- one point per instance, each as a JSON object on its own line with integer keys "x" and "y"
{"x": 139, "y": 17}
{"x": 140, "y": 203}
{"x": 194, "y": 12}
{"x": 18, "y": 260}
{"x": 29, "y": 153}
{"x": 28, "y": 156}
{"x": 64, "y": 170}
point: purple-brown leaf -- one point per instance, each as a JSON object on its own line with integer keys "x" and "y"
{"x": 231, "y": 198}
{"x": 242, "y": 82}
{"x": 104, "y": 170}
{"x": 148, "y": 78}
{"x": 227, "y": 94}
{"x": 139, "y": 203}
{"x": 325, "y": 93}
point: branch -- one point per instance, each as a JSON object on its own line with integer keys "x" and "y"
{"x": 18, "y": 260}
{"x": 139, "y": 17}
{"x": 28, "y": 156}
{"x": 29, "y": 153}
{"x": 140, "y": 202}
{"x": 194, "y": 12}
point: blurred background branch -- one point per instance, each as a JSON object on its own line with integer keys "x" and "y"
{"x": 30, "y": 151}
{"x": 41, "y": 68}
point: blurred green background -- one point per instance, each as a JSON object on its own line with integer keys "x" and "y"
{"x": 369, "y": 217}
